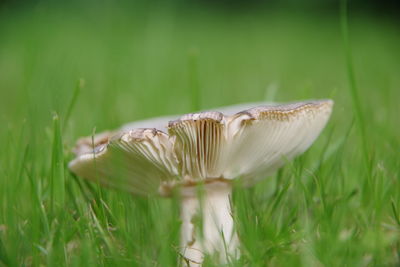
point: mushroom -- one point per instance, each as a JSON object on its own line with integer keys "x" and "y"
{"x": 210, "y": 149}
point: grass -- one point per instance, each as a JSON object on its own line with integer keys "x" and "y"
{"x": 66, "y": 72}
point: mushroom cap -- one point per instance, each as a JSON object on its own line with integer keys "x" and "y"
{"x": 246, "y": 143}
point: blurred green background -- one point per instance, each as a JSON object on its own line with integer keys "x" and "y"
{"x": 338, "y": 205}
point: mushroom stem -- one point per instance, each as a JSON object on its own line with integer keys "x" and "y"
{"x": 215, "y": 233}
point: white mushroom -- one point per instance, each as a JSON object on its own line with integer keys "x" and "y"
{"x": 207, "y": 148}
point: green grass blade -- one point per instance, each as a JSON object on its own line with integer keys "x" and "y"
{"x": 354, "y": 91}
{"x": 79, "y": 86}
{"x": 57, "y": 167}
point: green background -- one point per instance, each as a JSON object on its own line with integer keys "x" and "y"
{"x": 68, "y": 70}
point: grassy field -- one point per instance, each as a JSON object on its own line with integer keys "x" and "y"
{"x": 66, "y": 73}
